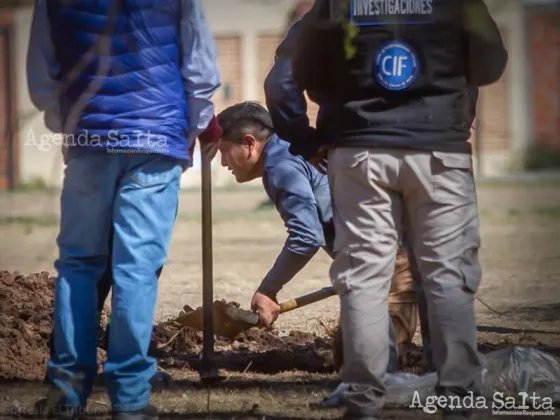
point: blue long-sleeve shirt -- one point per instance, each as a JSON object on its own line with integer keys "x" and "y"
{"x": 302, "y": 197}
{"x": 201, "y": 76}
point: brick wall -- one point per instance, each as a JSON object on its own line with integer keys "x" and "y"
{"x": 3, "y": 117}
{"x": 493, "y": 109}
{"x": 544, "y": 58}
{"x": 267, "y": 44}
{"x": 7, "y": 99}
{"x": 230, "y": 64}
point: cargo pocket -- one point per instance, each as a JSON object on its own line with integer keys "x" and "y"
{"x": 471, "y": 270}
{"x": 346, "y": 158}
{"x": 470, "y": 265}
{"x": 452, "y": 177}
{"x": 340, "y": 272}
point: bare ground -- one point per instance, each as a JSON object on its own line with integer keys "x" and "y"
{"x": 520, "y": 229}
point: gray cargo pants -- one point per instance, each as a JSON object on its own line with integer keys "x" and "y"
{"x": 376, "y": 194}
{"x": 422, "y": 306}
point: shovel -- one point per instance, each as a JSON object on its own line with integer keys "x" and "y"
{"x": 230, "y": 320}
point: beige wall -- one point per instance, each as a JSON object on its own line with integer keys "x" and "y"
{"x": 36, "y": 161}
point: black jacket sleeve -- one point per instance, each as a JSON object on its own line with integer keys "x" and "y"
{"x": 318, "y": 60}
{"x": 286, "y": 103}
{"x": 487, "y": 56}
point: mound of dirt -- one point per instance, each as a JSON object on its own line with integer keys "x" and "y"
{"x": 255, "y": 350}
{"x": 25, "y": 324}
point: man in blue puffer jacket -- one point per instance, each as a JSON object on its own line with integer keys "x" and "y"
{"x": 129, "y": 83}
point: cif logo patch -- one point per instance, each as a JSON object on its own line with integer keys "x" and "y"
{"x": 395, "y": 66}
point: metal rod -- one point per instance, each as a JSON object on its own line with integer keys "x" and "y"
{"x": 207, "y": 272}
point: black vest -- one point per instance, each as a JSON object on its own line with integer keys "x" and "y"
{"x": 406, "y": 85}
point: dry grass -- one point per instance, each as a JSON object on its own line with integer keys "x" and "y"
{"x": 521, "y": 265}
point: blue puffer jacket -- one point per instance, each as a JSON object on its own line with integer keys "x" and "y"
{"x": 141, "y": 103}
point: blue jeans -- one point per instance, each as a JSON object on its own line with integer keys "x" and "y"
{"x": 138, "y": 194}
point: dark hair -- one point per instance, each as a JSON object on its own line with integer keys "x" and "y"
{"x": 248, "y": 117}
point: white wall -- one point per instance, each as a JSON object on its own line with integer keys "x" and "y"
{"x": 36, "y": 161}
{"x": 510, "y": 15}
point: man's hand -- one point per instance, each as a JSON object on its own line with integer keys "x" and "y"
{"x": 210, "y": 139}
{"x": 319, "y": 159}
{"x": 267, "y": 308}
{"x": 210, "y": 150}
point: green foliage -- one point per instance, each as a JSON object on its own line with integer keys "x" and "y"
{"x": 350, "y": 32}
{"x": 540, "y": 157}
{"x": 33, "y": 184}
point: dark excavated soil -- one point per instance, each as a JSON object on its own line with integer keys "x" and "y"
{"x": 26, "y": 322}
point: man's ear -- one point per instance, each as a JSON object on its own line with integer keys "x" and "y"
{"x": 249, "y": 140}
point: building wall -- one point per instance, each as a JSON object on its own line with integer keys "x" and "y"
{"x": 4, "y": 117}
{"x": 247, "y": 33}
{"x": 544, "y": 56}
{"x": 8, "y": 135}
{"x": 503, "y": 126}
{"x": 494, "y": 120}
{"x": 237, "y": 25}
{"x": 261, "y": 25}
{"x": 40, "y": 156}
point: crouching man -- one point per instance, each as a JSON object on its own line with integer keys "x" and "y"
{"x": 250, "y": 149}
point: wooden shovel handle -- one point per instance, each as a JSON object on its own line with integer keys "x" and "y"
{"x": 308, "y": 299}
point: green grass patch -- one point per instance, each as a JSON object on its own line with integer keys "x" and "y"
{"x": 539, "y": 214}
{"x": 518, "y": 183}
{"x": 29, "y": 221}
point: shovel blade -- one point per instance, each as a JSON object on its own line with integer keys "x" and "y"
{"x": 228, "y": 319}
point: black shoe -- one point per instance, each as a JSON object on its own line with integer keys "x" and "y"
{"x": 147, "y": 413}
